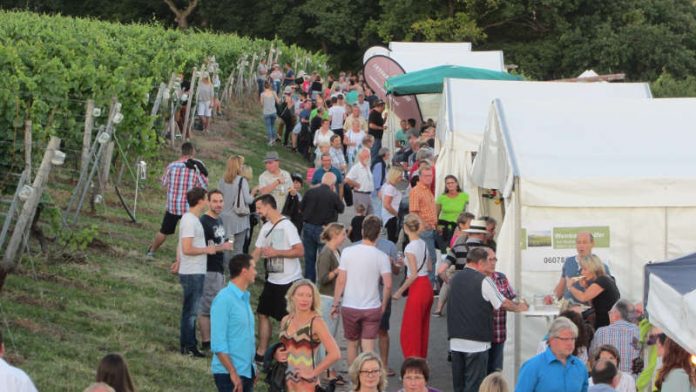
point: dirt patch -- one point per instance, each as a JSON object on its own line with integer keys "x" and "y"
{"x": 37, "y": 328}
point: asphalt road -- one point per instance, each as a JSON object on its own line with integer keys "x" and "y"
{"x": 440, "y": 369}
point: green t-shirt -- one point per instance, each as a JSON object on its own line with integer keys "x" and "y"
{"x": 451, "y": 207}
{"x": 313, "y": 114}
{"x": 401, "y": 137}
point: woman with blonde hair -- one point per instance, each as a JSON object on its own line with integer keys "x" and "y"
{"x": 327, "y": 271}
{"x": 204, "y": 99}
{"x": 600, "y": 289}
{"x": 494, "y": 382}
{"x": 302, "y": 331}
{"x": 391, "y": 198}
{"x": 367, "y": 373}
{"x": 237, "y": 197}
{"x": 415, "y": 327}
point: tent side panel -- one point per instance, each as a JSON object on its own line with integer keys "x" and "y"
{"x": 636, "y": 236}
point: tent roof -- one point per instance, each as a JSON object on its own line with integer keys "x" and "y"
{"x": 670, "y": 299}
{"x": 678, "y": 273}
{"x": 600, "y": 153}
{"x": 417, "y": 60}
{"x": 466, "y": 102}
{"x": 397, "y": 46}
{"x": 429, "y": 80}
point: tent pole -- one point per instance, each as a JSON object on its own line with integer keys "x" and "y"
{"x": 518, "y": 273}
{"x": 666, "y": 233}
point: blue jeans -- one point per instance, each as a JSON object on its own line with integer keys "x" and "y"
{"x": 468, "y": 370}
{"x": 429, "y": 237}
{"x": 260, "y": 82}
{"x": 312, "y": 245}
{"x": 224, "y": 383}
{"x": 495, "y": 357}
{"x": 193, "y": 292}
{"x": 375, "y": 148}
{"x": 269, "y": 120}
{"x": 276, "y": 86}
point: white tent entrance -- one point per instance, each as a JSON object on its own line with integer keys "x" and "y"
{"x": 624, "y": 169}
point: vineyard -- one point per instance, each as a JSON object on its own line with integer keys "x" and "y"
{"x": 50, "y": 66}
{"x": 82, "y": 289}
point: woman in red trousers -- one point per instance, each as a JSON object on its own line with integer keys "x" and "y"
{"x": 415, "y": 326}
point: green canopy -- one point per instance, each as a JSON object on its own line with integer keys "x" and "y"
{"x": 429, "y": 81}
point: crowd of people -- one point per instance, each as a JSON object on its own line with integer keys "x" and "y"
{"x": 404, "y": 243}
{"x": 320, "y": 275}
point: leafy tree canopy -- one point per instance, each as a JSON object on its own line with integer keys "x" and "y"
{"x": 547, "y": 39}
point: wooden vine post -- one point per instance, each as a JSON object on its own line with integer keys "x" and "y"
{"x": 26, "y": 215}
{"x": 87, "y": 136}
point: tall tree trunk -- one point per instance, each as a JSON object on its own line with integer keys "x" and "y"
{"x": 181, "y": 16}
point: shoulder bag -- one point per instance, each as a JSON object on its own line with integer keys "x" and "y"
{"x": 332, "y": 383}
{"x": 240, "y": 207}
{"x": 425, "y": 257}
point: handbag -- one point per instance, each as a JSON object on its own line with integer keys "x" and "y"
{"x": 332, "y": 384}
{"x": 239, "y": 208}
{"x": 425, "y": 255}
{"x": 275, "y": 377}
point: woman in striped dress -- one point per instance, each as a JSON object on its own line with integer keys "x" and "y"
{"x": 302, "y": 332}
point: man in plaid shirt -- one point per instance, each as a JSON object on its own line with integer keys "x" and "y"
{"x": 621, "y": 333}
{"x": 179, "y": 177}
{"x": 495, "y": 353}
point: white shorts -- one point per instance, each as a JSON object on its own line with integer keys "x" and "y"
{"x": 204, "y": 109}
{"x": 297, "y": 129}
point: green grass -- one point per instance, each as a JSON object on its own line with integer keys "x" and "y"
{"x": 62, "y": 311}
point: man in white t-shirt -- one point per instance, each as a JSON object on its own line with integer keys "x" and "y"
{"x": 12, "y": 378}
{"x": 359, "y": 177}
{"x": 281, "y": 247}
{"x": 359, "y": 273}
{"x": 191, "y": 264}
{"x": 337, "y": 114}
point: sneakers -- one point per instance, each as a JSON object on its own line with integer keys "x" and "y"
{"x": 150, "y": 254}
{"x": 192, "y": 352}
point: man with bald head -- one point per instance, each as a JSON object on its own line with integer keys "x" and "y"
{"x": 320, "y": 206}
{"x": 584, "y": 242}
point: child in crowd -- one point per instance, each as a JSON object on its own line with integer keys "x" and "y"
{"x": 291, "y": 209}
{"x": 355, "y": 229}
{"x": 368, "y": 141}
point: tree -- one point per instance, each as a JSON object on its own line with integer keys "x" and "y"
{"x": 182, "y": 15}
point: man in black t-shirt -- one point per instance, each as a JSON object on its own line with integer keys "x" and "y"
{"x": 214, "y": 231}
{"x": 376, "y": 126}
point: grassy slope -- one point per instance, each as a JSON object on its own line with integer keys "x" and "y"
{"x": 61, "y": 314}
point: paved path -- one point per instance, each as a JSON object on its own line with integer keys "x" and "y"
{"x": 440, "y": 369}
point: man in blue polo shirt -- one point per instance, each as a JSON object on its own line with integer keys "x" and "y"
{"x": 556, "y": 369}
{"x": 232, "y": 329}
{"x": 326, "y": 167}
{"x": 584, "y": 242}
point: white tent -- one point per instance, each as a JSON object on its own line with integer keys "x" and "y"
{"x": 429, "y": 46}
{"x": 670, "y": 299}
{"x": 465, "y": 107}
{"x": 417, "y": 60}
{"x": 622, "y": 169}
